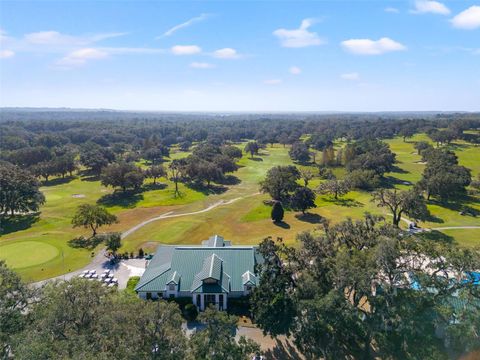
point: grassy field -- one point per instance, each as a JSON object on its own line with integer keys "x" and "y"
{"x": 38, "y": 249}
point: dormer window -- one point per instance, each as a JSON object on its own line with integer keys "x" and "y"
{"x": 171, "y": 287}
{"x": 210, "y": 281}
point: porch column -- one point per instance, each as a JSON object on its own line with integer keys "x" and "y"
{"x": 194, "y": 299}
{"x": 224, "y": 301}
{"x": 202, "y": 302}
{"x": 216, "y": 301}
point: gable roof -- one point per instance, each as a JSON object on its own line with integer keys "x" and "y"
{"x": 216, "y": 241}
{"x": 188, "y": 266}
{"x": 249, "y": 278}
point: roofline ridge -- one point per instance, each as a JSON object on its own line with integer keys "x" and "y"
{"x": 149, "y": 281}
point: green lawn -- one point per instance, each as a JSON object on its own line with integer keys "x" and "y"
{"x": 245, "y": 221}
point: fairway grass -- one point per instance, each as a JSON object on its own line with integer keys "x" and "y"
{"x": 244, "y": 221}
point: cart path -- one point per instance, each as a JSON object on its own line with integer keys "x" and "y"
{"x": 442, "y": 227}
{"x": 456, "y": 227}
{"x": 171, "y": 214}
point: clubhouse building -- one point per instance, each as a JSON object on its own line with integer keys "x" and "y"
{"x": 209, "y": 273}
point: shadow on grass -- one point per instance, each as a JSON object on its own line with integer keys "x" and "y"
{"x": 85, "y": 243}
{"x": 281, "y": 224}
{"x": 151, "y": 186}
{"x": 390, "y": 182}
{"x": 436, "y": 236}
{"x": 125, "y": 200}
{"x": 284, "y": 351}
{"x": 344, "y": 202}
{"x": 58, "y": 181}
{"x": 459, "y": 204}
{"x": 396, "y": 169}
{"x": 87, "y": 175}
{"x": 15, "y": 223}
{"x": 310, "y": 218}
{"x": 208, "y": 190}
{"x": 255, "y": 158}
{"x": 456, "y": 146}
{"x": 434, "y": 219}
{"x": 230, "y": 180}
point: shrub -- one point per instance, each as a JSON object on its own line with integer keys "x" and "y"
{"x": 277, "y": 212}
{"x": 190, "y": 312}
{"x": 131, "y": 283}
{"x": 141, "y": 254}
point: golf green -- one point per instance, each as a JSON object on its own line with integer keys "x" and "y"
{"x": 27, "y": 253}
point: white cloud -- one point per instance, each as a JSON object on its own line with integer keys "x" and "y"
{"x": 131, "y": 50}
{"x": 186, "y": 49}
{"x": 301, "y": 37}
{"x": 372, "y": 47}
{"x": 391, "y": 10}
{"x": 295, "y": 70}
{"x": 350, "y": 76}
{"x": 468, "y": 19}
{"x": 81, "y": 56}
{"x": 58, "y": 39}
{"x": 272, "y": 81}
{"x": 4, "y": 54}
{"x": 226, "y": 53}
{"x": 183, "y": 25}
{"x": 429, "y": 6}
{"x": 201, "y": 65}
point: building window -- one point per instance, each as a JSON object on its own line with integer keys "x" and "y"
{"x": 160, "y": 295}
{"x": 149, "y": 296}
{"x": 171, "y": 287}
{"x": 172, "y": 296}
{"x": 248, "y": 288}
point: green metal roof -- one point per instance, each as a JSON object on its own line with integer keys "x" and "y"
{"x": 189, "y": 264}
{"x": 249, "y": 278}
{"x": 216, "y": 241}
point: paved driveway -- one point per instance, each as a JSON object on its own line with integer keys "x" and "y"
{"x": 122, "y": 270}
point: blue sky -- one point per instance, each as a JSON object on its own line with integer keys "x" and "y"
{"x": 241, "y": 56}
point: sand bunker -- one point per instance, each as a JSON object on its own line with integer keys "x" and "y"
{"x": 78, "y": 196}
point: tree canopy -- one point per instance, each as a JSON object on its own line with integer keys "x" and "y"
{"x": 19, "y": 191}
{"x": 364, "y": 290}
{"x": 280, "y": 182}
{"x": 93, "y": 217}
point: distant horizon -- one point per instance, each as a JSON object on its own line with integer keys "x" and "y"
{"x": 320, "y": 112}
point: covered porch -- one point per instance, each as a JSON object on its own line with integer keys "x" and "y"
{"x": 203, "y": 300}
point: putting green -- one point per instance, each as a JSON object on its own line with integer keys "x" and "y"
{"x": 27, "y": 253}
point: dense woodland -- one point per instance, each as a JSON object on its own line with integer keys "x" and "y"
{"x": 358, "y": 289}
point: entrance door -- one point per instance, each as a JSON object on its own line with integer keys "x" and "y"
{"x": 209, "y": 299}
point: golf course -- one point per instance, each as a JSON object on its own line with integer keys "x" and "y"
{"x": 36, "y": 246}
